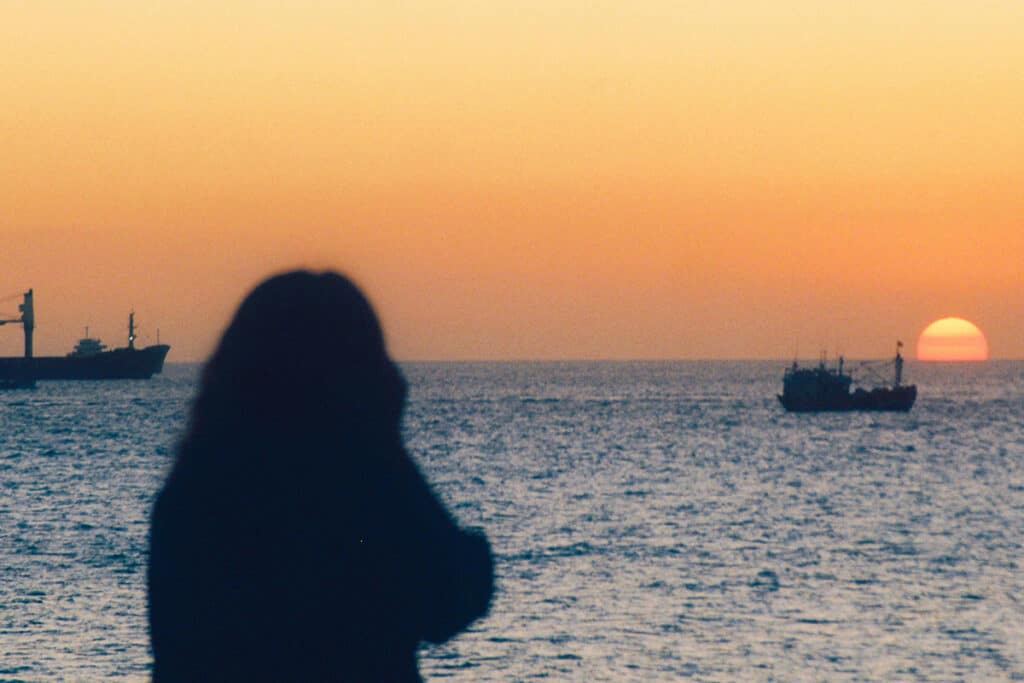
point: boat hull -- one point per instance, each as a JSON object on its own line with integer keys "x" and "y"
{"x": 115, "y": 364}
{"x": 896, "y": 399}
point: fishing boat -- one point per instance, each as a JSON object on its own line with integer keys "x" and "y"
{"x": 828, "y": 389}
{"x": 90, "y": 359}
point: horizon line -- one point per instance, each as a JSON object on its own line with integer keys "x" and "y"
{"x": 658, "y": 360}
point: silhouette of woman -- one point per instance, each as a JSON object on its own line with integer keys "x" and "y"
{"x": 294, "y": 539}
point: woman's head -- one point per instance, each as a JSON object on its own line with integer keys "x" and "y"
{"x": 303, "y": 349}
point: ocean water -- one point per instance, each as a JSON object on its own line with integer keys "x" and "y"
{"x": 651, "y": 522}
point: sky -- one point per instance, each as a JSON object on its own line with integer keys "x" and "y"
{"x": 539, "y": 179}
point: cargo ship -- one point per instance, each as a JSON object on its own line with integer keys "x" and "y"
{"x": 89, "y": 360}
{"x": 823, "y": 388}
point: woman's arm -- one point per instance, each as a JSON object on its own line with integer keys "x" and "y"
{"x": 448, "y": 572}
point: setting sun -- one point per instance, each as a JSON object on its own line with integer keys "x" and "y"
{"x": 952, "y": 339}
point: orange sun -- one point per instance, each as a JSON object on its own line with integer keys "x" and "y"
{"x": 952, "y": 339}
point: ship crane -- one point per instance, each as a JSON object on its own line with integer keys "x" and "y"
{"x": 27, "y": 321}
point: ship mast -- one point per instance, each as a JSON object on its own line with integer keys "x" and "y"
{"x": 898, "y": 365}
{"x": 131, "y": 330}
{"x": 27, "y": 320}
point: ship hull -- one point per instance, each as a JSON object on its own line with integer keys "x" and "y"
{"x": 895, "y": 399}
{"x": 115, "y": 364}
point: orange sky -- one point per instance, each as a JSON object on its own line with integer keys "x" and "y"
{"x": 530, "y": 179}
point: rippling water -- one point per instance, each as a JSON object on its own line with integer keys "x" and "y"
{"x": 651, "y": 521}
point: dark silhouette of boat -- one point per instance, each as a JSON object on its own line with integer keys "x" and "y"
{"x": 823, "y": 388}
{"x": 90, "y": 359}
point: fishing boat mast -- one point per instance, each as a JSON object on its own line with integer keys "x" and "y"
{"x": 898, "y": 365}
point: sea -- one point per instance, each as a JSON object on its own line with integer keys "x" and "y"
{"x": 651, "y": 521}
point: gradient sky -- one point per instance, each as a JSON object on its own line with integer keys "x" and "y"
{"x": 529, "y": 179}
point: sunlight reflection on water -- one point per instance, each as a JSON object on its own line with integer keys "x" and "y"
{"x": 651, "y": 521}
